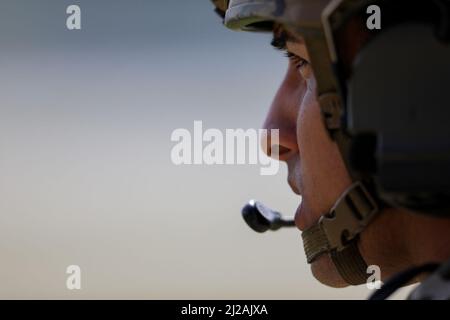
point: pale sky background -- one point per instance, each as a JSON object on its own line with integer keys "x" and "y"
{"x": 85, "y": 170}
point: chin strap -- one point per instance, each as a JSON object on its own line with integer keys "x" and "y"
{"x": 337, "y": 233}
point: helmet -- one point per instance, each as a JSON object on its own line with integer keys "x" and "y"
{"x": 259, "y": 15}
{"x": 390, "y": 137}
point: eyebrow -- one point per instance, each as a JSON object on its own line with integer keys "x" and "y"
{"x": 281, "y": 37}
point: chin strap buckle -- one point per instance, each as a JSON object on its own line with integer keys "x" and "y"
{"x": 350, "y": 215}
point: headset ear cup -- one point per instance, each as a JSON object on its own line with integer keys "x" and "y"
{"x": 406, "y": 107}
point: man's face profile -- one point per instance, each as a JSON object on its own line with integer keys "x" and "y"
{"x": 316, "y": 170}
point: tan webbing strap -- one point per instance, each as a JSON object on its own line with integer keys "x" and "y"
{"x": 350, "y": 264}
{"x": 315, "y": 242}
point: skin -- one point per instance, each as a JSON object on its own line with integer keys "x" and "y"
{"x": 396, "y": 239}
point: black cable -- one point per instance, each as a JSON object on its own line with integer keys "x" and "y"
{"x": 399, "y": 280}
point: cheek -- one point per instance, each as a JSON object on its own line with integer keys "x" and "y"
{"x": 323, "y": 173}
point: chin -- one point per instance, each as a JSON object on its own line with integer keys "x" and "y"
{"x": 326, "y": 273}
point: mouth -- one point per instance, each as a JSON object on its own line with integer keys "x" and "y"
{"x": 298, "y": 217}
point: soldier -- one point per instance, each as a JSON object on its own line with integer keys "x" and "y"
{"x": 362, "y": 117}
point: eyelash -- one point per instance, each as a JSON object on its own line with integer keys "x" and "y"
{"x": 298, "y": 61}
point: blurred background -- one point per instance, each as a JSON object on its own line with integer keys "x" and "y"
{"x": 86, "y": 176}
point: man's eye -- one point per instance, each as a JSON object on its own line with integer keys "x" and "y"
{"x": 299, "y": 62}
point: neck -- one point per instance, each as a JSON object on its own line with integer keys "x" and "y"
{"x": 398, "y": 239}
{"x": 427, "y": 239}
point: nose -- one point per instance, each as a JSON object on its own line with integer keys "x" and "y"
{"x": 282, "y": 115}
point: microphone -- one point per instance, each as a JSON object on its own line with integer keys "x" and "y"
{"x": 261, "y": 218}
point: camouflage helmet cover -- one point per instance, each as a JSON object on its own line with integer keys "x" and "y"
{"x": 258, "y": 15}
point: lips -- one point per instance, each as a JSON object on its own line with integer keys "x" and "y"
{"x": 294, "y": 181}
{"x": 298, "y": 212}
